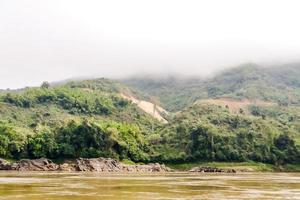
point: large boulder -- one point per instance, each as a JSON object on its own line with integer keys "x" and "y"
{"x": 98, "y": 165}
{"x": 112, "y": 165}
{"x": 5, "y": 165}
{"x": 82, "y": 165}
{"x": 152, "y": 167}
{"x": 41, "y": 164}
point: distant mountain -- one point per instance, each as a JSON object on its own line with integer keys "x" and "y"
{"x": 278, "y": 84}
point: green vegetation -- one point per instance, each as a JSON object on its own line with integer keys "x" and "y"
{"x": 292, "y": 167}
{"x": 76, "y": 119}
{"x": 211, "y": 133}
{"x": 76, "y": 139}
{"x": 91, "y": 119}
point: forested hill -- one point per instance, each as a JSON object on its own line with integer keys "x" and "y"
{"x": 75, "y": 119}
{"x": 280, "y": 84}
{"x": 259, "y": 120}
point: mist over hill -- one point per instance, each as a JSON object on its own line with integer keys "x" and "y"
{"x": 274, "y": 83}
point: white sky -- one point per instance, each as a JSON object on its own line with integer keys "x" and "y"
{"x": 58, "y": 39}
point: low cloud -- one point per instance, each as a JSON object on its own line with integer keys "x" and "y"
{"x": 55, "y": 40}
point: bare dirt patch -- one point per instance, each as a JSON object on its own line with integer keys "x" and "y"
{"x": 154, "y": 110}
{"x": 235, "y": 105}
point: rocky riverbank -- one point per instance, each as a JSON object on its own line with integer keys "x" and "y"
{"x": 104, "y": 165}
{"x": 81, "y": 165}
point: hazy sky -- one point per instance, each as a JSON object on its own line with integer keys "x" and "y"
{"x": 58, "y": 39}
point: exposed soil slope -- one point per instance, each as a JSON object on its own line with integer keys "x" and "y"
{"x": 235, "y": 105}
{"x": 154, "y": 110}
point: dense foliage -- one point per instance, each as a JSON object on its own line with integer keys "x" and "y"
{"x": 208, "y": 132}
{"x": 76, "y": 139}
{"x": 74, "y": 99}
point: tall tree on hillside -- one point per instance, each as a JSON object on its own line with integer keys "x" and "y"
{"x": 45, "y": 84}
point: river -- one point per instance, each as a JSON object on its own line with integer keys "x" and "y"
{"x": 89, "y": 186}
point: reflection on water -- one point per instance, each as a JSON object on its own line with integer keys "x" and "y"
{"x": 88, "y": 186}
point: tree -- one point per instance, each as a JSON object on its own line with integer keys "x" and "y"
{"x": 42, "y": 145}
{"x": 286, "y": 150}
{"x": 11, "y": 142}
{"x": 45, "y": 85}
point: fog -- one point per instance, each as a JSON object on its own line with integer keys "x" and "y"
{"x": 59, "y": 39}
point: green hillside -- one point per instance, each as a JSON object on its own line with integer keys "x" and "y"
{"x": 259, "y": 120}
{"x": 86, "y": 118}
{"x": 279, "y": 84}
{"x": 209, "y": 132}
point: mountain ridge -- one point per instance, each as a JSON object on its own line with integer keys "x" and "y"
{"x": 246, "y": 81}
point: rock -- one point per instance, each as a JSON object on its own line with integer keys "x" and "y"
{"x": 67, "y": 167}
{"x": 112, "y": 165}
{"x": 156, "y": 167}
{"x": 41, "y": 164}
{"x": 82, "y": 165}
{"x": 147, "y": 168}
{"x": 98, "y": 165}
{"x": 5, "y": 165}
{"x": 212, "y": 170}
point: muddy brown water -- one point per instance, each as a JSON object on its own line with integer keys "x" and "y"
{"x": 91, "y": 186}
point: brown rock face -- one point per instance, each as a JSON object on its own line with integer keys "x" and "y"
{"x": 98, "y": 165}
{"x": 67, "y": 167}
{"x": 41, "y": 164}
{"x": 146, "y": 168}
{"x": 81, "y": 165}
{"x": 112, "y": 165}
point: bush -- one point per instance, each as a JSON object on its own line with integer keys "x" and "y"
{"x": 11, "y": 142}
